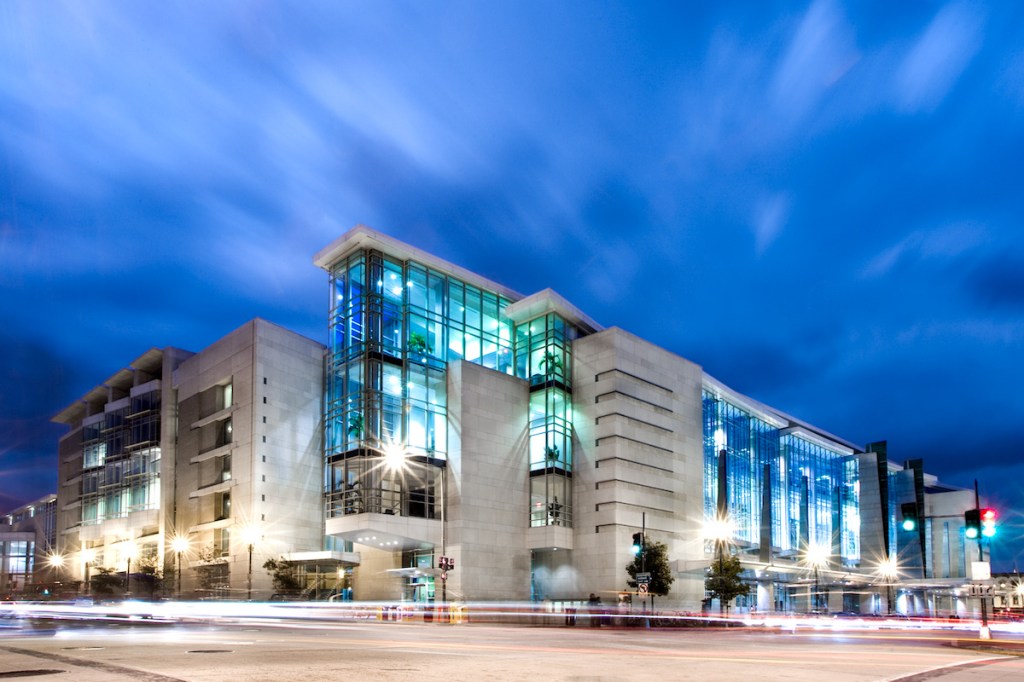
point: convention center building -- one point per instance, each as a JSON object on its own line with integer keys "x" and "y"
{"x": 457, "y": 440}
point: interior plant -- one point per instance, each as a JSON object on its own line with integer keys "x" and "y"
{"x": 355, "y": 426}
{"x": 418, "y": 343}
{"x": 550, "y": 363}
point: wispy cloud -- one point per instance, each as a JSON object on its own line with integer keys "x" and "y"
{"x": 819, "y": 54}
{"x": 938, "y": 58}
{"x": 942, "y": 243}
{"x": 770, "y": 216}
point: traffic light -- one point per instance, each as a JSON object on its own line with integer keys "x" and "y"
{"x": 638, "y": 544}
{"x": 910, "y": 520}
{"x": 988, "y": 522}
{"x": 972, "y": 523}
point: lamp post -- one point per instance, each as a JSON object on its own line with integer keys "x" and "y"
{"x": 250, "y": 535}
{"x": 888, "y": 570}
{"x": 816, "y": 557}
{"x": 130, "y": 552}
{"x": 55, "y": 560}
{"x": 179, "y": 545}
{"x": 720, "y": 530}
{"x": 87, "y": 556}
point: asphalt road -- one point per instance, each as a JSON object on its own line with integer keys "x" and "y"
{"x": 402, "y": 651}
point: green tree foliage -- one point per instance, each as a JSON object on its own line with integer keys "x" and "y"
{"x": 147, "y": 578}
{"x": 105, "y": 582}
{"x": 283, "y": 574}
{"x": 652, "y": 559}
{"x": 723, "y": 581}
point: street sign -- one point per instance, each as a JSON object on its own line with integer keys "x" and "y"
{"x": 641, "y": 588}
{"x": 643, "y": 578}
{"x": 980, "y": 590}
{"x": 980, "y": 570}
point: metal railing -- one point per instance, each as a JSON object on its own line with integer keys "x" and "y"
{"x": 415, "y": 503}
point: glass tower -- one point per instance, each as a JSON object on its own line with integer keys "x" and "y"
{"x": 394, "y": 326}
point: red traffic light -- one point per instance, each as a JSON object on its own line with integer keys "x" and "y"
{"x": 988, "y": 522}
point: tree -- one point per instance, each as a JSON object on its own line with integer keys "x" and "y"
{"x": 105, "y": 582}
{"x": 724, "y": 582}
{"x": 283, "y": 574}
{"x": 148, "y": 575}
{"x": 210, "y": 568}
{"x": 653, "y": 559}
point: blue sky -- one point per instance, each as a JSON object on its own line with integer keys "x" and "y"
{"x": 818, "y": 202}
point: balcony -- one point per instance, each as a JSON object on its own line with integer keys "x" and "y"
{"x": 386, "y": 519}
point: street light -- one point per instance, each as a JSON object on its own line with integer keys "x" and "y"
{"x": 250, "y": 535}
{"x": 55, "y": 560}
{"x": 130, "y": 552}
{"x": 720, "y": 530}
{"x": 888, "y": 569}
{"x": 816, "y": 556}
{"x": 87, "y": 555}
{"x": 179, "y": 544}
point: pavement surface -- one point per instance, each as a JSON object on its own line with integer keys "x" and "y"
{"x": 313, "y": 651}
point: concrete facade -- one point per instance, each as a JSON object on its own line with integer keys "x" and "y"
{"x": 231, "y": 439}
{"x": 640, "y": 458}
{"x": 489, "y": 493}
{"x": 261, "y": 483}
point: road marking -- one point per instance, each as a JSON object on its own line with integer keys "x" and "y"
{"x": 943, "y": 670}
{"x": 96, "y": 665}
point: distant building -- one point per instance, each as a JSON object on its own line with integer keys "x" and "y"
{"x": 27, "y": 539}
{"x": 1008, "y": 597}
{"x": 457, "y": 439}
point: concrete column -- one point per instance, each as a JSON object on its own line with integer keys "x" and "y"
{"x": 765, "y": 596}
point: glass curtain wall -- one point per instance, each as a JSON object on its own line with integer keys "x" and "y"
{"x": 394, "y": 326}
{"x": 750, "y": 443}
{"x": 807, "y": 482}
{"x": 850, "y": 512}
{"x": 543, "y": 355}
{"x": 121, "y": 460}
{"x": 817, "y": 476}
{"x": 17, "y": 557}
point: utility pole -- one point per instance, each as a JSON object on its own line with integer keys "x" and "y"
{"x": 985, "y": 633}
